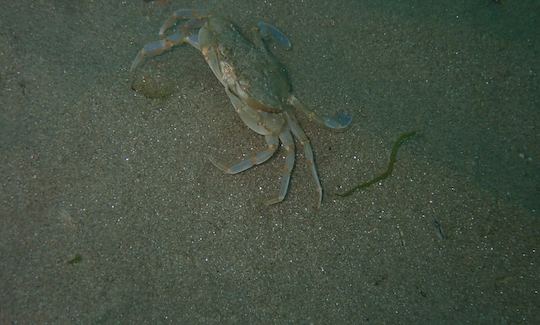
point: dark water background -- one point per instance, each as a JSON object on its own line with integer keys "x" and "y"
{"x": 111, "y": 212}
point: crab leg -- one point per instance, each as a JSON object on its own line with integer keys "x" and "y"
{"x": 339, "y": 122}
{"x": 257, "y": 159}
{"x": 308, "y": 151}
{"x": 182, "y": 14}
{"x": 288, "y": 144}
{"x": 156, "y": 48}
{"x": 185, "y": 35}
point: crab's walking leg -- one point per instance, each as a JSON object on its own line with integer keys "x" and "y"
{"x": 181, "y": 14}
{"x": 288, "y": 144}
{"x": 256, "y": 159}
{"x": 156, "y": 48}
{"x": 339, "y": 121}
{"x": 186, "y": 34}
{"x": 308, "y": 152}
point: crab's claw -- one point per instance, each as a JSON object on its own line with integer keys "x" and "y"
{"x": 266, "y": 30}
{"x": 340, "y": 120}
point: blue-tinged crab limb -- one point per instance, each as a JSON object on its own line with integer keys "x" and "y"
{"x": 257, "y": 159}
{"x": 266, "y": 30}
{"x": 273, "y": 143}
{"x": 288, "y": 144}
{"x": 262, "y": 156}
{"x": 188, "y": 33}
{"x": 338, "y": 122}
{"x": 183, "y": 14}
{"x": 299, "y": 134}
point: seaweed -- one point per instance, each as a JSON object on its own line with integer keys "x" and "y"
{"x": 75, "y": 260}
{"x": 389, "y": 169}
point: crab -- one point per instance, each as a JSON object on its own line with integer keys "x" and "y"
{"x": 256, "y": 83}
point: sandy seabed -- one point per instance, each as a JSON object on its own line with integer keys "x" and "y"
{"x": 111, "y": 212}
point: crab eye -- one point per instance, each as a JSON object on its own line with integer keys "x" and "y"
{"x": 243, "y": 84}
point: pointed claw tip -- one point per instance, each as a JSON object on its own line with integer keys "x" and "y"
{"x": 344, "y": 119}
{"x": 339, "y": 121}
{"x": 272, "y": 201}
